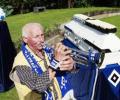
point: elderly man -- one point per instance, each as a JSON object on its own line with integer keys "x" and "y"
{"x": 34, "y": 67}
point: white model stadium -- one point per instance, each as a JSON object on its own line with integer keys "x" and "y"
{"x": 88, "y": 33}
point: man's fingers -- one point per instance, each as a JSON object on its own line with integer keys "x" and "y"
{"x": 51, "y": 73}
{"x": 57, "y": 46}
{"x": 66, "y": 67}
{"x": 67, "y": 52}
{"x": 67, "y": 64}
{"x": 60, "y": 47}
{"x": 66, "y": 57}
{"x": 68, "y": 61}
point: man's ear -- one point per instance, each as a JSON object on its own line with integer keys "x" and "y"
{"x": 25, "y": 39}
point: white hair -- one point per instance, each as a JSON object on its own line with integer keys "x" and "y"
{"x": 28, "y": 27}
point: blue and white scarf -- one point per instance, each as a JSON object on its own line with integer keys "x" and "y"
{"x": 61, "y": 77}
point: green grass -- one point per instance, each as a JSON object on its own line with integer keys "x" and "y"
{"x": 115, "y": 20}
{"x": 48, "y": 18}
{"x": 9, "y": 95}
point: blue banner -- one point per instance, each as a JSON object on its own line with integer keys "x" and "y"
{"x": 112, "y": 74}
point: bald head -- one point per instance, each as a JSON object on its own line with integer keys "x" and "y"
{"x": 33, "y": 36}
{"x": 28, "y": 28}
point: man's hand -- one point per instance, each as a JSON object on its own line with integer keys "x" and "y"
{"x": 61, "y": 51}
{"x": 62, "y": 54}
{"x": 51, "y": 74}
{"x": 67, "y": 64}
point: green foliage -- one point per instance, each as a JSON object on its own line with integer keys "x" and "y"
{"x": 2, "y": 2}
{"x": 82, "y": 3}
{"x": 8, "y": 9}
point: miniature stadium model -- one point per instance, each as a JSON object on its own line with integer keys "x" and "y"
{"x": 93, "y": 36}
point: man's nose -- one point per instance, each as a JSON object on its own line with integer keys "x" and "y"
{"x": 41, "y": 39}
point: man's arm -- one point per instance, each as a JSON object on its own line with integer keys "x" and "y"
{"x": 32, "y": 80}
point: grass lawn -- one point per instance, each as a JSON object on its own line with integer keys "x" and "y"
{"x": 48, "y": 19}
{"x": 115, "y": 20}
{"x": 9, "y": 95}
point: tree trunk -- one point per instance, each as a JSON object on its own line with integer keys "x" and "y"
{"x": 71, "y": 3}
{"x": 22, "y": 8}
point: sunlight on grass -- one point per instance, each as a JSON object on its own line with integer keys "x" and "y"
{"x": 115, "y": 20}
{"x": 9, "y": 95}
{"x": 48, "y": 18}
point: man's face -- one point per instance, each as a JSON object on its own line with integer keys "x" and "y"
{"x": 36, "y": 39}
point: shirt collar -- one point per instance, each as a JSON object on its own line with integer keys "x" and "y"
{"x": 35, "y": 56}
